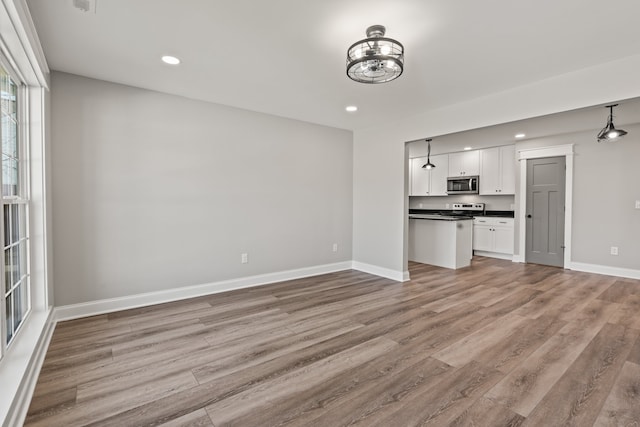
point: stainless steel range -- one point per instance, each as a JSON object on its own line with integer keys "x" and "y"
{"x": 467, "y": 209}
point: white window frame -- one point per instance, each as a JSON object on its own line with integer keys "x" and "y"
{"x": 22, "y": 198}
{"x": 21, "y": 362}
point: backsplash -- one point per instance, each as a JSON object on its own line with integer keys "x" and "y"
{"x": 492, "y": 203}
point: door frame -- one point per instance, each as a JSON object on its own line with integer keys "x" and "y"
{"x": 523, "y": 155}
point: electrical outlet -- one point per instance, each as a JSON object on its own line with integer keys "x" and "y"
{"x": 637, "y": 204}
{"x": 335, "y": 247}
{"x": 244, "y": 258}
{"x": 446, "y": 205}
{"x": 614, "y": 250}
{"x": 420, "y": 205}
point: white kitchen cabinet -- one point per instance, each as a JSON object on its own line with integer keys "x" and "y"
{"x": 420, "y": 179}
{"x": 466, "y": 163}
{"x": 482, "y": 237}
{"x": 493, "y": 237}
{"x": 498, "y": 170}
{"x": 428, "y": 182}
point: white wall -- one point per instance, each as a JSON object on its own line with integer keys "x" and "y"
{"x": 380, "y": 155}
{"x": 154, "y": 192}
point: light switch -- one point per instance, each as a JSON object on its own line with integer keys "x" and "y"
{"x": 637, "y": 204}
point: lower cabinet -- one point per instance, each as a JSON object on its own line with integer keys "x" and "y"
{"x": 493, "y": 236}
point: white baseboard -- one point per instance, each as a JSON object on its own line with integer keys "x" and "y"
{"x": 21, "y": 367}
{"x": 604, "y": 269}
{"x": 494, "y": 255}
{"x": 405, "y": 276}
{"x": 398, "y": 276}
{"x": 518, "y": 258}
{"x": 92, "y": 308}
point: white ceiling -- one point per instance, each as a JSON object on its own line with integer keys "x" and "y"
{"x": 287, "y": 57}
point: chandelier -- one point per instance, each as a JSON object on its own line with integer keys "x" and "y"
{"x": 376, "y": 59}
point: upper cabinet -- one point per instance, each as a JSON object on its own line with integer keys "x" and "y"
{"x": 465, "y": 163}
{"x": 439, "y": 175}
{"x": 498, "y": 170}
{"x": 428, "y": 182}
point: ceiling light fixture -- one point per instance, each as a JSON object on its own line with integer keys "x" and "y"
{"x": 171, "y": 60}
{"x": 467, "y": 148}
{"x": 376, "y": 59}
{"x": 351, "y": 108}
{"x": 428, "y": 165}
{"x": 520, "y": 135}
{"x": 609, "y": 132}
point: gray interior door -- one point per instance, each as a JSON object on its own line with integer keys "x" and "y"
{"x": 545, "y": 211}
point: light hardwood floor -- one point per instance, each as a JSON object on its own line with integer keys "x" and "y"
{"x": 494, "y": 344}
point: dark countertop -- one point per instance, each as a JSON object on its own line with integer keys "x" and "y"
{"x": 448, "y": 212}
{"x": 500, "y": 214}
{"x": 437, "y": 217}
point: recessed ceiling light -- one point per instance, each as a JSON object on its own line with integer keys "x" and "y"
{"x": 351, "y": 108}
{"x": 467, "y": 148}
{"x": 520, "y": 135}
{"x": 171, "y": 60}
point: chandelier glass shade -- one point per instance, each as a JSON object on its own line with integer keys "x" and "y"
{"x": 609, "y": 132}
{"x": 376, "y": 59}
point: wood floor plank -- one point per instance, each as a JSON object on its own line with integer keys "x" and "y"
{"x": 365, "y": 405}
{"x": 627, "y": 314}
{"x": 472, "y": 346}
{"x": 197, "y": 418}
{"x": 620, "y": 290}
{"x": 271, "y": 350}
{"x": 522, "y": 389}
{"x": 442, "y": 402}
{"x": 45, "y": 406}
{"x": 250, "y": 401}
{"x": 634, "y": 354}
{"x": 496, "y": 343}
{"x": 91, "y": 410}
{"x": 576, "y": 399}
{"x": 507, "y": 354}
{"x": 484, "y": 412}
{"x": 622, "y": 407}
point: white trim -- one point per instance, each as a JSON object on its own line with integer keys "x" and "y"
{"x": 565, "y": 150}
{"x": 494, "y": 255}
{"x": 92, "y": 308}
{"x": 518, "y": 258}
{"x": 398, "y": 276}
{"x": 20, "y": 368}
{"x": 605, "y": 269}
{"x": 20, "y": 38}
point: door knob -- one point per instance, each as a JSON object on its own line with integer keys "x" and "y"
{"x": 529, "y": 216}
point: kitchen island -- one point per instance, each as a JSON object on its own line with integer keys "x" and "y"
{"x": 442, "y": 240}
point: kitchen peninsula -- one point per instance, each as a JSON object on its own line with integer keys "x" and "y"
{"x": 440, "y": 240}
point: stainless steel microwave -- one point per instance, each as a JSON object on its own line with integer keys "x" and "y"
{"x": 462, "y": 185}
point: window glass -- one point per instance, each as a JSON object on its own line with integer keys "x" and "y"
{"x": 15, "y": 289}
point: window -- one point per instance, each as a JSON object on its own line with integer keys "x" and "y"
{"x": 16, "y": 301}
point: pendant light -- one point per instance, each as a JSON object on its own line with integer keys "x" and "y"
{"x": 428, "y": 165}
{"x": 376, "y": 59}
{"x": 609, "y": 132}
